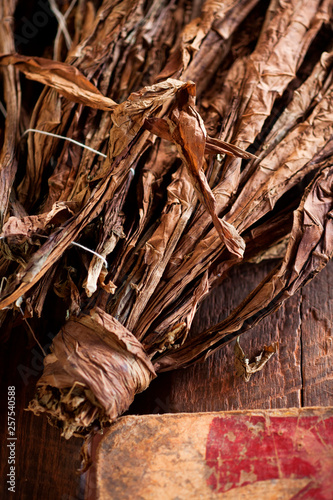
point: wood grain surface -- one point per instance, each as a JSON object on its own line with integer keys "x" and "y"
{"x": 46, "y": 464}
{"x": 300, "y": 374}
{"x": 261, "y": 454}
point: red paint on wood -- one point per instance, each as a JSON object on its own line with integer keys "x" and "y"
{"x": 242, "y": 450}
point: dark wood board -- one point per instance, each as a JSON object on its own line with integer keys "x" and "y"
{"x": 46, "y": 463}
{"x": 300, "y": 374}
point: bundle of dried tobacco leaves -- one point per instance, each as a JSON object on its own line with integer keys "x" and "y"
{"x": 207, "y": 131}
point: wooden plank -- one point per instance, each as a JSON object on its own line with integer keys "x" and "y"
{"x": 45, "y": 463}
{"x": 317, "y": 341}
{"x": 267, "y": 454}
{"x": 299, "y": 374}
{"x": 278, "y": 385}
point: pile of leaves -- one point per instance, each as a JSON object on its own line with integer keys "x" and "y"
{"x": 206, "y": 141}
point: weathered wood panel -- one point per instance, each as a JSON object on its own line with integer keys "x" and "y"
{"x": 317, "y": 340}
{"x": 267, "y": 454}
{"x": 278, "y": 385}
{"x": 300, "y": 374}
{"x": 46, "y": 464}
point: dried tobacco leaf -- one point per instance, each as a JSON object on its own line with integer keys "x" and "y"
{"x": 310, "y": 248}
{"x": 93, "y": 372}
{"x": 64, "y": 78}
{"x": 128, "y": 118}
{"x": 11, "y": 86}
{"x": 244, "y": 368}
